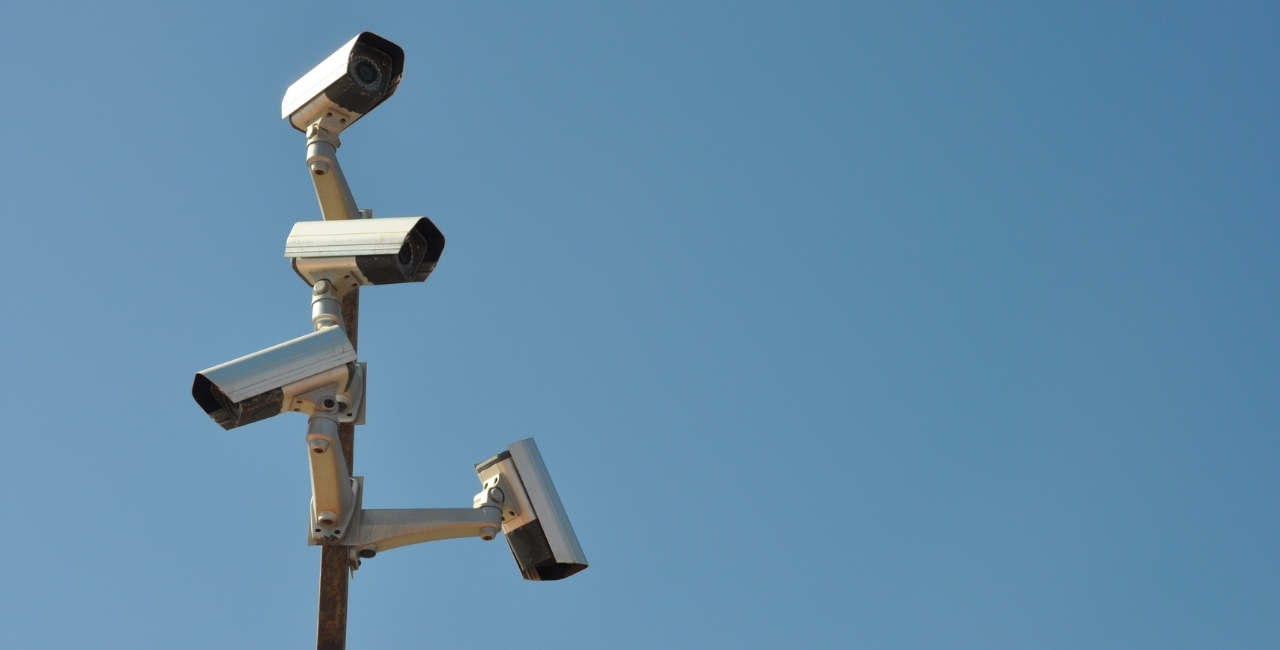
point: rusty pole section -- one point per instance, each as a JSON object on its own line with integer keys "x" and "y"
{"x": 331, "y": 622}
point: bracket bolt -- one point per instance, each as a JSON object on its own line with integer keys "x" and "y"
{"x": 319, "y": 445}
{"x": 321, "y": 287}
{"x": 488, "y": 533}
{"x": 327, "y": 518}
{"x": 496, "y": 495}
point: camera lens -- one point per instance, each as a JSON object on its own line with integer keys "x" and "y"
{"x": 367, "y": 72}
{"x": 406, "y": 255}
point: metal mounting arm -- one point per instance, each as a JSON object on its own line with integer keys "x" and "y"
{"x": 369, "y": 532}
{"x": 334, "y": 495}
{"x": 336, "y": 201}
{"x": 383, "y": 530}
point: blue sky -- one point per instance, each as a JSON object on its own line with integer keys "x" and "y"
{"x": 893, "y": 325}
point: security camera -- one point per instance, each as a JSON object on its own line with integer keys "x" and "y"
{"x": 355, "y": 252}
{"x": 533, "y": 519}
{"x": 346, "y": 86}
{"x": 342, "y": 89}
{"x": 318, "y": 370}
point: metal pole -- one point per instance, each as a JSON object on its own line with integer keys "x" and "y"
{"x": 331, "y": 622}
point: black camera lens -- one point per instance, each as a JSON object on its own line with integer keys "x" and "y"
{"x": 367, "y": 72}
{"x": 406, "y": 254}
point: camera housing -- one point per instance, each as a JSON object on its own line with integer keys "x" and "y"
{"x": 278, "y": 380}
{"x": 345, "y": 86}
{"x": 533, "y": 519}
{"x": 357, "y": 252}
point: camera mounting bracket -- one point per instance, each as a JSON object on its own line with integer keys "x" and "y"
{"x": 369, "y": 532}
{"x": 336, "y": 201}
{"x": 334, "y": 494}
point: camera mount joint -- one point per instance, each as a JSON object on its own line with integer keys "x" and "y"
{"x": 326, "y": 305}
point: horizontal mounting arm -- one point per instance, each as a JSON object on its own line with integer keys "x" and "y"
{"x": 383, "y": 530}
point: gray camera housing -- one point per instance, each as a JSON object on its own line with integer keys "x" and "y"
{"x": 534, "y": 521}
{"x": 346, "y": 86}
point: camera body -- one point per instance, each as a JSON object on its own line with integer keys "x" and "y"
{"x": 358, "y": 252}
{"x": 534, "y": 521}
{"x": 346, "y": 85}
{"x": 277, "y": 380}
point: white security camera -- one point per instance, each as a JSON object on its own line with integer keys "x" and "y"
{"x": 342, "y": 89}
{"x": 346, "y": 86}
{"x": 533, "y": 519}
{"x": 364, "y": 251}
{"x": 316, "y": 371}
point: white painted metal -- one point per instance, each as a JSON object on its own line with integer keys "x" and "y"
{"x": 342, "y": 271}
{"x": 517, "y": 510}
{"x": 301, "y": 396}
{"x": 332, "y": 191}
{"x": 326, "y": 306}
{"x": 312, "y": 84}
{"x": 332, "y": 492}
{"x": 348, "y": 528}
{"x": 282, "y": 364}
{"x": 383, "y": 530}
{"x": 343, "y": 239}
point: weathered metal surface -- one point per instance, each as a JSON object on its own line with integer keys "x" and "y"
{"x": 331, "y": 628}
{"x": 351, "y": 316}
{"x": 331, "y": 620}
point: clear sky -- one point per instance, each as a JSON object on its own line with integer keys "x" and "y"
{"x": 890, "y": 325}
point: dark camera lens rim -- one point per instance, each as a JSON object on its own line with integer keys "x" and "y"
{"x": 367, "y": 72}
{"x": 358, "y": 65}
